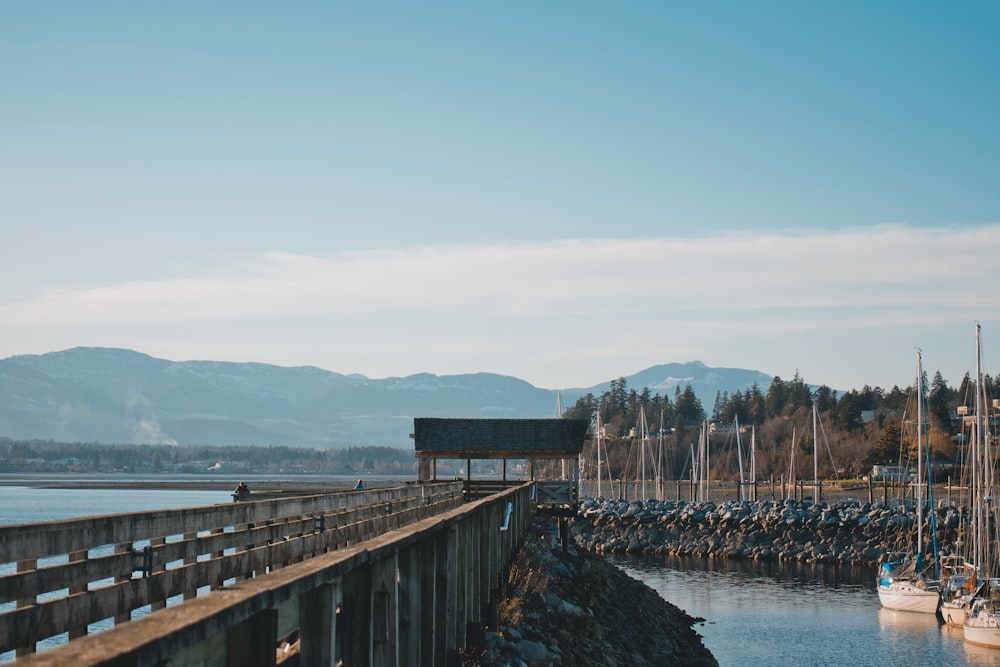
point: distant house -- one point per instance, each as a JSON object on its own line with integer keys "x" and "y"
{"x": 892, "y": 473}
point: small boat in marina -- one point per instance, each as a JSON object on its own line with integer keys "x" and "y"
{"x": 905, "y": 582}
{"x": 982, "y": 625}
{"x": 959, "y": 582}
{"x": 903, "y": 585}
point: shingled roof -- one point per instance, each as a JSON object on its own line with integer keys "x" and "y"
{"x": 496, "y": 438}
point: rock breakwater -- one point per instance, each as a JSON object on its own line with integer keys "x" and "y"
{"x": 566, "y": 607}
{"x": 848, "y": 532}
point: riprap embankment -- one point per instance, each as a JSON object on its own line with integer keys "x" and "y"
{"x": 844, "y": 532}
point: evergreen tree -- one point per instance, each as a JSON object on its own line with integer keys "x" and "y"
{"x": 887, "y": 447}
{"x": 777, "y": 398}
{"x": 938, "y": 400}
{"x": 689, "y": 410}
{"x": 758, "y": 405}
{"x": 826, "y": 399}
{"x": 847, "y": 413}
{"x": 798, "y": 393}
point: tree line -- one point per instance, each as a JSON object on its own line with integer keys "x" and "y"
{"x": 50, "y": 455}
{"x": 855, "y": 430}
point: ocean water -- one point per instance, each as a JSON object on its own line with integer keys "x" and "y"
{"x": 25, "y": 504}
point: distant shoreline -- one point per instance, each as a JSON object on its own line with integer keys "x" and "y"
{"x": 309, "y": 484}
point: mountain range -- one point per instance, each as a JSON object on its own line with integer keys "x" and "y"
{"x": 112, "y": 395}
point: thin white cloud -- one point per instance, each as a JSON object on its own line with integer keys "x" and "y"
{"x": 857, "y": 271}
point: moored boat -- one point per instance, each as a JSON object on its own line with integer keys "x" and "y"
{"x": 903, "y": 583}
{"x": 959, "y": 580}
{"x": 982, "y": 626}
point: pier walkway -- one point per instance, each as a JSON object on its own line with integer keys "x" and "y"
{"x": 398, "y": 576}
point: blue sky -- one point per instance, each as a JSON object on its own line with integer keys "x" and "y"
{"x": 565, "y": 192}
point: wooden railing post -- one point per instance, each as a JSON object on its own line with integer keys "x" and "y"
{"x": 192, "y": 592}
{"x": 26, "y": 565}
{"x": 217, "y": 579}
{"x": 122, "y": 548}
{"x": 74, "y": 557}
{"x": 157, "y": 566}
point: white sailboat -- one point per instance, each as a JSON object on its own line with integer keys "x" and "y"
{"x": 959, "y": 582}
{"x": 964, "y": 573}
{"x": 982, "y": 625}
{"x": 902, "y": 584}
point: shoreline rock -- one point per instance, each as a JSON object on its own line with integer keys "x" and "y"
{"x": 567, "y": 608}
{"x": 847, "y": 532}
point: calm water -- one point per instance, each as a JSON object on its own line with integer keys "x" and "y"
{"x": 25, "y": 504}
{"x": 22, "y": 504}
{"x": 763, "y": 614}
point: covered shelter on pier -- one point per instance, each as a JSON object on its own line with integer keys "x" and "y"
{"x": 550, "y": 447}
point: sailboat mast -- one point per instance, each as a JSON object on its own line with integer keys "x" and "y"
{"x": 694, "y": 469}
{"x": 920, "y": 456}
{"x": 559, "y": 415}
{"x": 708, "y": 462}
{"x": 703, "y": 463}
{"x": 660, "y": 494}
{"x": 791, "y": 466}
{"x": 642, "y": 449}
{"x": 739, "y": 454}
{"x": 597, "y": 439}
{"x": 815, "y": 456}
{"x": 981, "y": 448}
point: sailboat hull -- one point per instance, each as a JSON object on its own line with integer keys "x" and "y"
{"x": 986, "y": 634}
{"x": 955, "y": 612}
{"x": 907, "y": 597}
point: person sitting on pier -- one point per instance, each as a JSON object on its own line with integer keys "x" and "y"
{"x": 360, "y": 485}
{"x": 242, "y": 491}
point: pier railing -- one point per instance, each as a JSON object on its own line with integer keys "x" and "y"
{"x": 410, "y": 596}
{"x": 74, "y": 577}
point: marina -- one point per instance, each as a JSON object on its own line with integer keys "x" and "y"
{"x": 760, "y": 613}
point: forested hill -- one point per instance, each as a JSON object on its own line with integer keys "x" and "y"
{"x": 121, "y": 396}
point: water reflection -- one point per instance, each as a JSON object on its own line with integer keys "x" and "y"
{"x": 900, "y": 622}
{"x": 978, "y": 655}
{"x": 766, "y": 613}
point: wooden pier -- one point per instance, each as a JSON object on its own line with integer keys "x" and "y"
{"x": 397, "y": 576}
